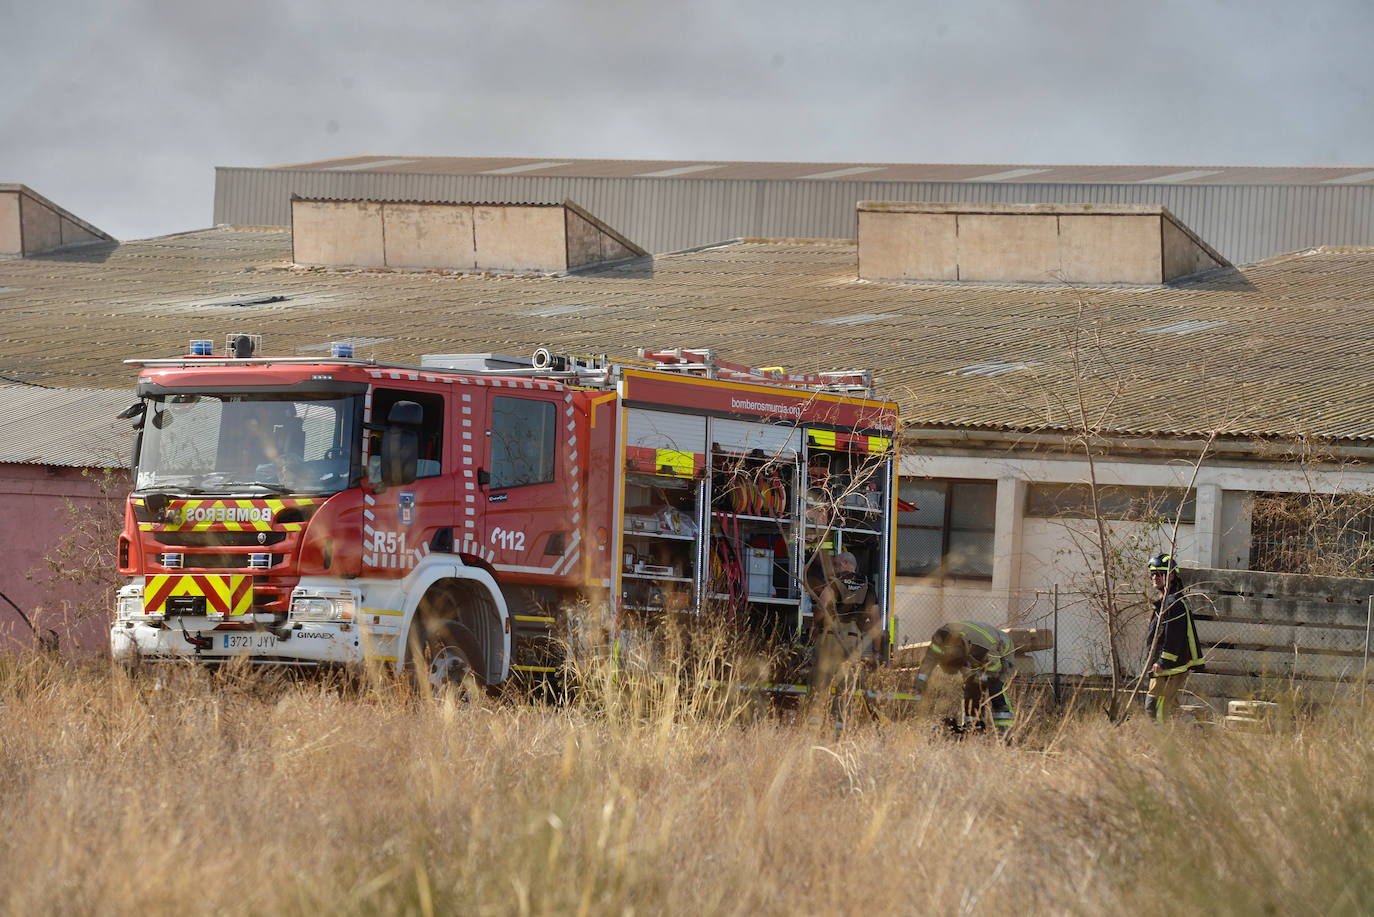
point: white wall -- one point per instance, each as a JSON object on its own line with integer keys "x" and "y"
{"x": 1034, "y": 555}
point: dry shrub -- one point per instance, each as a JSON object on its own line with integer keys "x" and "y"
{"x": 189, "y": 793}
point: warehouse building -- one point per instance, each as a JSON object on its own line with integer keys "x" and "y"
{"x": 1246, "y": 213}
{"x": 1019, "y": 340}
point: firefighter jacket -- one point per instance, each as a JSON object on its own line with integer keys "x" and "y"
{"x": 1173, "y": 636}
{"x": 853, "y": 596}
{"x": 989, "y": 648}
{"x": 976, "y": 649}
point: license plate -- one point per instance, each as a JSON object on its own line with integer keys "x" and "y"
{"x": 253, "y": 640}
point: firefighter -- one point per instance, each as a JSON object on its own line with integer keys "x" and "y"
{"x": 1172, "y": 641}
{"x": 845, "y": 625}
{"x": 982, "y": 655}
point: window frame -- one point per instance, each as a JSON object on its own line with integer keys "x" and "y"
{"x": 550, "y": 429}
{"x": 942, "y": 571}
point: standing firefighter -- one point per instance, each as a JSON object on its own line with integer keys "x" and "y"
{"x": 846, "y": 627}
{"x": 982, "y": 654}
{"x": 1172, "y": 640}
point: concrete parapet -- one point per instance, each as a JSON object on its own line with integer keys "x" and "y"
{"x": 536, "y": 238}
{"x": 1027, "y": 243}
{"x": 30, "y": 224}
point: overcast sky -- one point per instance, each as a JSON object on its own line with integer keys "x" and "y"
{"x": 120, "y": 110}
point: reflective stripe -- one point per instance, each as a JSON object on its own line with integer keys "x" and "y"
{"x": 1192, "y": 632}
{"x": 678, "y": 464}
{"x": 1179, "y": 668}
{"x": 1168, "y": 656}
{"x": 823, "y": 438}
{"x": 229, "y": 595}
{"x": 991, "y": 639}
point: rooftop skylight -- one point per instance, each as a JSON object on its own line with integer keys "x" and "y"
{"x": 551, "y": 311}
{"x": 862, "y": 318}
{"x": 1187, "y": 326}
{"x": 993, "y": 368}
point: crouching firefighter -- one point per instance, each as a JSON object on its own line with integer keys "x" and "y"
{"x": 1172, "y": 640}
{"x": 982, "y": 655}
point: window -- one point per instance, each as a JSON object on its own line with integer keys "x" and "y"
{"x": 522, "y": 442}
{"x": 431, "y": 430}
{"x": 948, "y": 531}
{"x": 1075, "y": 501}
{"x": 1320, "y": 534}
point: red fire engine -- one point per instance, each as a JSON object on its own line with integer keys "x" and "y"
{"x": 311, "y": 511}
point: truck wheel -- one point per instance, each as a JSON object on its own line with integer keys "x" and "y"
{"x": 441, "y": 658}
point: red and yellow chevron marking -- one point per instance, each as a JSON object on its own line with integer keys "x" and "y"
{"x": 229, "y": 516}
{"x": 227, "y": 594}
{"x": 664, "y": 461}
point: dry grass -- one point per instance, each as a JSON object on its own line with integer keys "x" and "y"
{"x": 232, "y": 795}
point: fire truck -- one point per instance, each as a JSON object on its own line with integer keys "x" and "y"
{"x": 445, "y": 519}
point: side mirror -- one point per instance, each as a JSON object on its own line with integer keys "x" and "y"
{"x": 135, "y": 412}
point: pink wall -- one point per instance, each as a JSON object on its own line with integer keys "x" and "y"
{"x": 34, "y": 516}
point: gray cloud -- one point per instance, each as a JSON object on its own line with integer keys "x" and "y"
{"x": 120, "y": 111}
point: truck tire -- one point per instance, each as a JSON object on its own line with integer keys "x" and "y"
{"x": 441, "y": 653}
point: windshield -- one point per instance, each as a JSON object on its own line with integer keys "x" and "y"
{"x": 247, "y": 442}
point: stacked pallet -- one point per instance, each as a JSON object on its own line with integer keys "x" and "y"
{"x": 1251, "y": 715}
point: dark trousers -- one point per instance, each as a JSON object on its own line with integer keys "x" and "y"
{"x": 987, "y": 690}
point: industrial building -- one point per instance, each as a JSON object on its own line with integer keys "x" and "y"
{"x": 1019, "y": 341}
{"x": 1245, "y": 213}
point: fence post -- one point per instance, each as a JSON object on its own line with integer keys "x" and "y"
{"x": 1364, "y": 674}
{"x": 1055, "y": 650}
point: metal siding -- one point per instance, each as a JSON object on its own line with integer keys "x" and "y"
{"x": 1245, "y": 223}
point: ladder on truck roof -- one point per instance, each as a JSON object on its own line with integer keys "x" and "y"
{"x": 705, "y": 362}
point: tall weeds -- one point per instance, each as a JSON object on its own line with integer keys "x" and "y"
{"x": 238, "y": 794}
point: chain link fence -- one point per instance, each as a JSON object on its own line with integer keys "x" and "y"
{"x": 1260, "y": 633}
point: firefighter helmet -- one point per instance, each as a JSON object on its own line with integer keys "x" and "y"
{"x": 1162, "y": 563}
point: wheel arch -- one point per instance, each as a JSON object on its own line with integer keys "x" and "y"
{"x": 482, "y": 612}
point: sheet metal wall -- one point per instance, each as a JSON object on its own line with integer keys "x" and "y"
{"x": 1244, "y": 223}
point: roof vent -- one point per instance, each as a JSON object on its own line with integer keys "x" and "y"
{"x": 30, "y": 224}
{"x": 517, "y": 238}
{"x": 1028, "y": 243}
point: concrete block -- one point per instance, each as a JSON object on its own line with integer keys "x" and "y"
{"x": 74, "y": 233}
{"x": 1183, "y": 255}
{"x": 1111, "y": 248}
{"x": 429, "y": 236}
{"x": 11, "y": 236}
{"x": 1009, "y": 248}
{"x": 908, "y": 246}
{"x": 40, "y": 225}
{"x": 337, "y": 233}
{"x": 592, "y": 242}
{"x": 520, "y": 238}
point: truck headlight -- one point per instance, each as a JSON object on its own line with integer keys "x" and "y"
{"x": 316, "y": 605}
{"x": 129, "y": 603}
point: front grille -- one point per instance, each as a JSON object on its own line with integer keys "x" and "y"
{"x": 234, "y": 561}
{"x": 218, "y": 539}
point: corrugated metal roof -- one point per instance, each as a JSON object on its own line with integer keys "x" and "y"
{"x": 69, "y": 426}
{"x": 903, "y": 172}
{"x": 1277, "y": 349}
